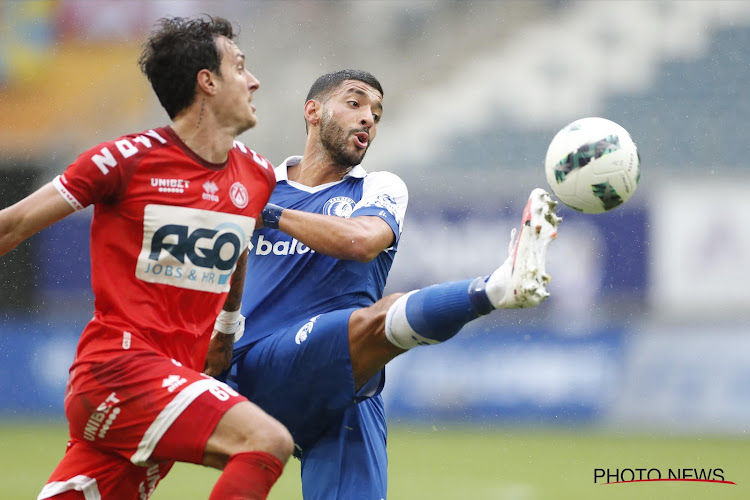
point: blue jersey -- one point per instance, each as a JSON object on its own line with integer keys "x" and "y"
{"x": 294, "y": 359}
{"x": 288, "y": 282}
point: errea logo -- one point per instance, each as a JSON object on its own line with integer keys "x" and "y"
{"x": 210, "y": 189}
{"x": 173, "y": 382}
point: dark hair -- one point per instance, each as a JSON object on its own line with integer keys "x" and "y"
{"x": 174, "y": 54}
{"x": 323, "y": 86}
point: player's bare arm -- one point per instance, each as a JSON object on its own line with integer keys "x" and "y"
{"x": 355, "y": 238}
{"x": 234, "y": 297}
{"x": 30, "y": 215}
{"x": 220, "y": 348}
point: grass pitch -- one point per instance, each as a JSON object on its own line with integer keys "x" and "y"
{"x": 450, "y": 463}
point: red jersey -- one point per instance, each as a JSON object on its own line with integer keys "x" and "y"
{"x": 167, "y": 231}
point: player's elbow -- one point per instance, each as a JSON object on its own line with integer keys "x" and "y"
{"x": 361, "y": 252}
{"x": 366, "y": 238}
{"x": 366, "y": 249}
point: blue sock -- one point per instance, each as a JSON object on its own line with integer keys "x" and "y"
{"x": 438, "y": 312}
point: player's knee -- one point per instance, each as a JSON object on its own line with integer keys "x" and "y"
{"x": 269, "y": 435}
{"x": 245, "y": 428}
{"x": 388, "y": 300}
{"x": 371, "y": 320}
{"x": 277, "y": 441}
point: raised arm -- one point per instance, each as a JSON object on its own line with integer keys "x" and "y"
{"x": 356, "y": 238}
{"x": 374, "y": 226}
{"x": 30, "y": 215}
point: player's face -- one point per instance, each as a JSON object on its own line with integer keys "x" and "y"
{"x": 238, "y": 87}
{"x": 349, "y": 121}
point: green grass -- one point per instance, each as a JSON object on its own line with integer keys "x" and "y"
{"x": 449, "y": 464}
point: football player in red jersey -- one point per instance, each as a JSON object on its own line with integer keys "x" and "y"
{"x": 174, "y": 208}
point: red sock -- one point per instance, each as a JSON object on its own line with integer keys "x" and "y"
{"x": 247, "y": 476}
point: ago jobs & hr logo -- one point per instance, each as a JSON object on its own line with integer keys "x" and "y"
{"x": 198, "y": 253}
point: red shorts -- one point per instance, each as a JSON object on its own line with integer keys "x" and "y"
{"x": 130, "y": 418}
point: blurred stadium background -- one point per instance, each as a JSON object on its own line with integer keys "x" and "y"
{"x": 641, "y": 357}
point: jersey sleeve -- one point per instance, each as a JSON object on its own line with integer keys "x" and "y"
{"x": 97, "y": 175}
{"x": 384, "y": 195}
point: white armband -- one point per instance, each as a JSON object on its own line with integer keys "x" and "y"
{"x": 230, "y": 323}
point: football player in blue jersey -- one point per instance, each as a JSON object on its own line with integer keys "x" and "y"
{"x": 320, "y": 331}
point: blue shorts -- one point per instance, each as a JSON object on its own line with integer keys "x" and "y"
{"x": 349, "y": 461}
{"x": 302, "y": 376}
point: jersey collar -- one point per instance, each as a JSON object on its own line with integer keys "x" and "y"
{"x": 281, "y": 174}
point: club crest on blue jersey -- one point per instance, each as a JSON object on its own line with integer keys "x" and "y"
{"x": 340, "y": 206}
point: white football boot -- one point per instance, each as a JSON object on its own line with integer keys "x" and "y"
{"x": 522, "y": 281}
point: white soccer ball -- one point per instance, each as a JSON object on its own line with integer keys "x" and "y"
{"x": 592, "y": 165}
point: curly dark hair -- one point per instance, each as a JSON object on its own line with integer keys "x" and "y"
{"x": 323, "y": 86}
{"x": 174, "y": 54}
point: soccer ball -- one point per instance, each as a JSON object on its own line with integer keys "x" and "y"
{"x": 592, "y": 165}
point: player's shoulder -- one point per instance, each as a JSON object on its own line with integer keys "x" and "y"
{"x": 243, "y": 151}
{"x": 248, "y": 156}
{"x": 384, "y": 176}
{"x": 126, "y": 148}
{"x": 129, "y": 144}
{"x": 385, "y": 179}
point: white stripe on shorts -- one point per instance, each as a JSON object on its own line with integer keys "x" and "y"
{"x": 84, "y": 484}
{"x": 168, "y": 415}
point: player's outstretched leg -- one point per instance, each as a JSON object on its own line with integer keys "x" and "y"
{"x": 437, "y": 313}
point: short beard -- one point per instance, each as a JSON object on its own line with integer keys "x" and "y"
{"x": 333, "y": 137}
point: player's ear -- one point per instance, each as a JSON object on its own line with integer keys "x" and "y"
{"x": 313, "y": 109}
{"x": 206, "y": 81}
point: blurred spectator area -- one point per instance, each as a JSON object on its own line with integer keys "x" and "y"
{"x": 67, "y": 77}
{"x": 470, "y": 84}
{"x": 673, "y": 73}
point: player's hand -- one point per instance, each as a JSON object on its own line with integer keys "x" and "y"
{"x": 219, "y": 354}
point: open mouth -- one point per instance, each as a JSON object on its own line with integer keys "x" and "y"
{"x": 361, "y": 139}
